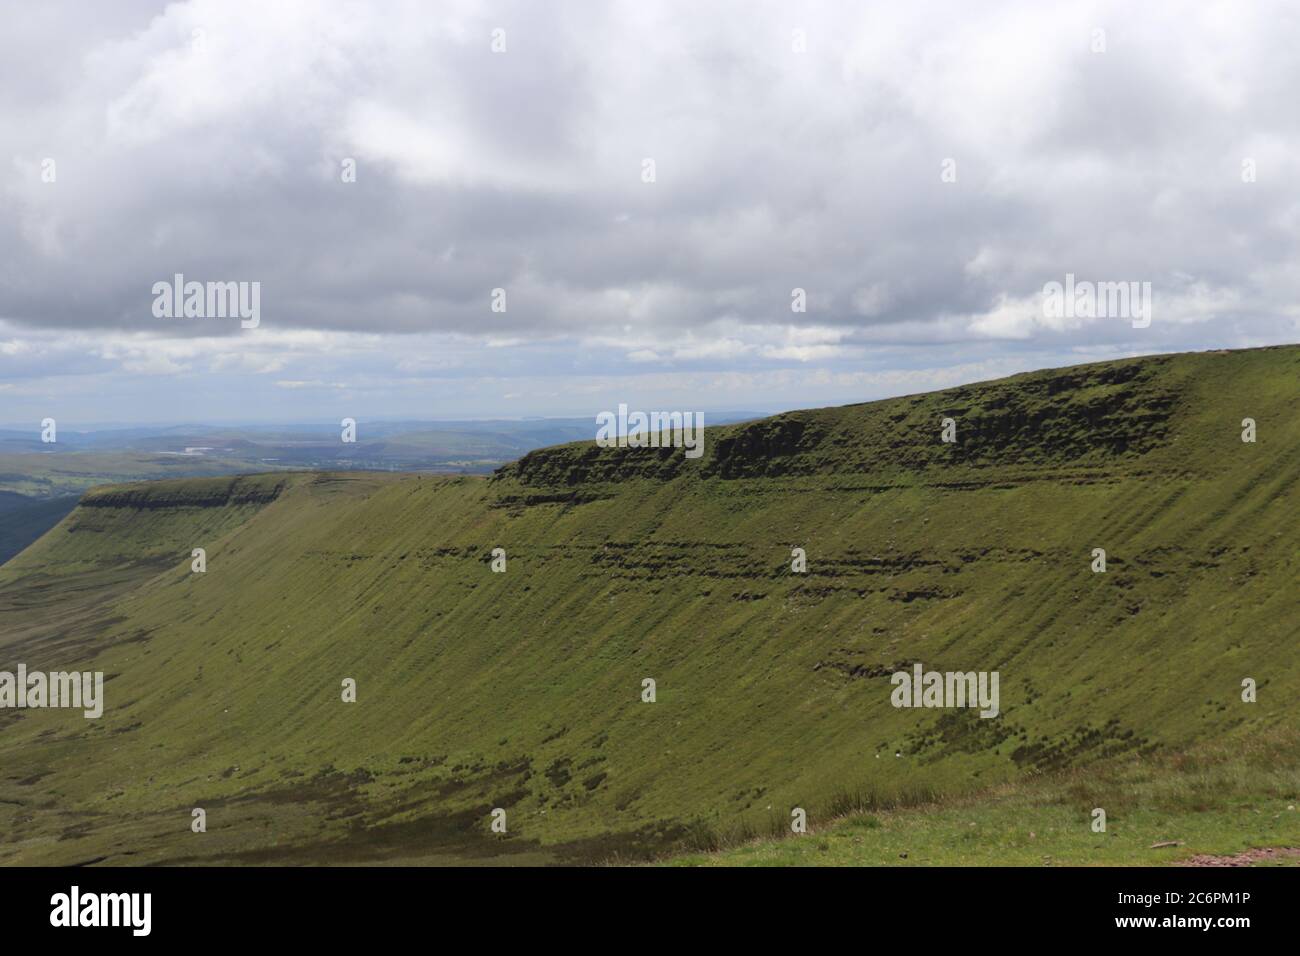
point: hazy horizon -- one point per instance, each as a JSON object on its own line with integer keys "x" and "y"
{"x": 724, "y": 415}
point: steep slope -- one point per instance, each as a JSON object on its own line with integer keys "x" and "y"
{"x": 24, "y": 519}
{"x": 522, "y": 689}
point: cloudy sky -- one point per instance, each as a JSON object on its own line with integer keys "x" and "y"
{"x": 920, "y": 170}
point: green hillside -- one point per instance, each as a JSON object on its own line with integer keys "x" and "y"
{"x": 522, "y": 690}
{"x": 24, "y": 519}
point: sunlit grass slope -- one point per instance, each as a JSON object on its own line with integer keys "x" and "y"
{"x": 1214, "y": 806}
{"x": 522, "y": 690}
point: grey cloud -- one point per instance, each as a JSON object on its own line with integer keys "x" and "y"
{"x": 521, "y": 170}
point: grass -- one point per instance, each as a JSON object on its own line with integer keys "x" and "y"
{"x": 1220, "y": 801}
{"x": 522, "y": 690}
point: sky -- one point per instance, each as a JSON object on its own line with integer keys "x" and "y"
{"x": 646, "y": 184}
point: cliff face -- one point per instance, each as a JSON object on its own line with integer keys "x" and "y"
{"x": 523, "y": 689}
{"x": 188, "y": 493}
{"x": 1100, "y": 415}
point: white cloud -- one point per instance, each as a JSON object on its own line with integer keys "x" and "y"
{"x": 522, "y": 170}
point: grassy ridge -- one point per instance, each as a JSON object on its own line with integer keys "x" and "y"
{"x": 51, "y": 474}
{"x": 521, "y": 690}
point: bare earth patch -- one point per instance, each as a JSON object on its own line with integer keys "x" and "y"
{"x": 1248, "y": 858}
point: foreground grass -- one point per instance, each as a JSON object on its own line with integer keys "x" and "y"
{"x": 1217, "y": 801}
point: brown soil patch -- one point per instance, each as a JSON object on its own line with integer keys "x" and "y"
{"x": 1248, "y": 858}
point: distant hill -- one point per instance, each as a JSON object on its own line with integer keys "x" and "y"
{"x": 523, "y": 690}
{"x": 84, "y": 459}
